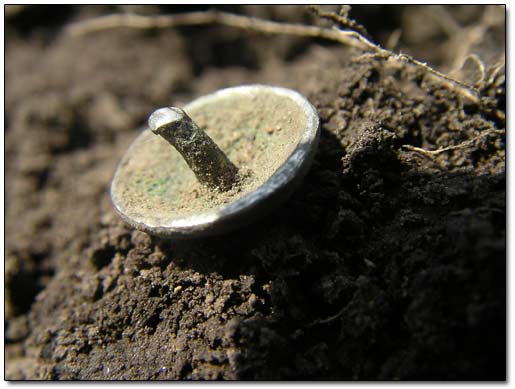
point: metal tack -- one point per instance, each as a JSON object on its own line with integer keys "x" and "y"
{"x": 237, "y": 154}
{"x": 202, "y": 155}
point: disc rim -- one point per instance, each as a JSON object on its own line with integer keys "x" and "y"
{"x": 220, "y": 219}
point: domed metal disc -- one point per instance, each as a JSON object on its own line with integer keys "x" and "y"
{"x": 269, "y": 133}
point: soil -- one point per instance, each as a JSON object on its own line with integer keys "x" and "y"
{"x": 387, "y": 263}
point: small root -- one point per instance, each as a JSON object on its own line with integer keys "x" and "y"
{"x": 353, "y": 37}
{"x": 328, "y": 319}
{"x": 341, "y": 19}
{"x": 432, "y": 153}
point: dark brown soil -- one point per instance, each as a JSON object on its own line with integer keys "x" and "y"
{"x": 385, "y": 264}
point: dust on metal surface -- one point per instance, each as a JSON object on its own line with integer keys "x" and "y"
{"x": 268, "y": 133}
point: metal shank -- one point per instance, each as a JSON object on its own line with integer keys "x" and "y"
{"x": 210, "y": 165}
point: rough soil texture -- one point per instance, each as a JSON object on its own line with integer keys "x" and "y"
{"x": 385, "y": 264}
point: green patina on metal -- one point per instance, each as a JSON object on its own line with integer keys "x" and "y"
{"x": 257, "y": 132}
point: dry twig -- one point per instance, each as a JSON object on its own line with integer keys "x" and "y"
{"x": 206, "y": 18}
{"x": 346, "y": 37}
{"x": 341, "y": 19}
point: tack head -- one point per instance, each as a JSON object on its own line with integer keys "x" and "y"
{"x": 220, "y": 162}
{"x": 165, "y": 116}
{"x": 210, "y": 165}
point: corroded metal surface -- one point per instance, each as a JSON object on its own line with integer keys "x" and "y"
{"x": 210, "y": 165}
{"x": 269, "y": 133}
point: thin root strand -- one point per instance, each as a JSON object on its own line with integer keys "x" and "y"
{"x": 432, "y": 153}
{"x": 346, "y": 37}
